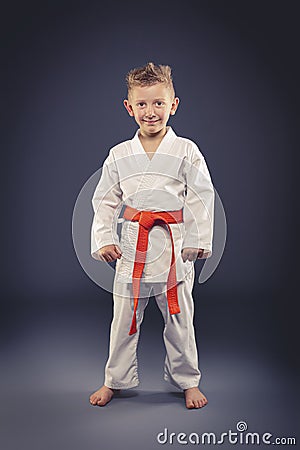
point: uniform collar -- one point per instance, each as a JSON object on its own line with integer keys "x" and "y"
{"x": 165, "y": 143}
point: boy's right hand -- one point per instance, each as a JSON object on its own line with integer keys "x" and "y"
{"x": 109, "y": 253}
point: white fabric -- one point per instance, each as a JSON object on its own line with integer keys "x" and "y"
{"x": 181, "y": 362}
{"x": 176, "y": 177}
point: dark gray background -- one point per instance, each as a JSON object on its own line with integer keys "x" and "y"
{"x": 236, "y": 71}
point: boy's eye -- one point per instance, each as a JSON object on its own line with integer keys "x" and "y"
{"x": 159, "y": 103}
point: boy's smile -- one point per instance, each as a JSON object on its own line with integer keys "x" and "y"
{"x": 151, "y": 107}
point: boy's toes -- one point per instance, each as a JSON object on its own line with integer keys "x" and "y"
{"x": 101, "y": 396}
{"x": 190, "y": 404}
{"x": 93, "y": 400}
{"x": 194, "y": 398}
{"x": 101, "y": 402}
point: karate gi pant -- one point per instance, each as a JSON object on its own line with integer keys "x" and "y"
{"x": 181, "y": 361}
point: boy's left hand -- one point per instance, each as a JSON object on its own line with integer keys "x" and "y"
{"x": 191, "y": 254}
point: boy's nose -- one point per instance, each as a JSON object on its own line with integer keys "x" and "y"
{"x": 149, "y": 111}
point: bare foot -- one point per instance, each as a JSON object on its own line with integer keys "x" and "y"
{"x": 102, "y": 396}
{"x": 194, "y": 398}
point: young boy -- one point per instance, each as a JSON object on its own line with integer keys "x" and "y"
{"x": 164, "y": 187}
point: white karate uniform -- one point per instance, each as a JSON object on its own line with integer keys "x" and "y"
{"x": 176, "y": 177}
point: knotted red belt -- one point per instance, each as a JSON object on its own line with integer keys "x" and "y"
{"x": 147, "y": 219}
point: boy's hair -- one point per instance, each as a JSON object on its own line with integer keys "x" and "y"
{"x": 148, "y": 75}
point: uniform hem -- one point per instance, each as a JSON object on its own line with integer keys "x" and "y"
{"x": 121, "y": 385}
{"x": 182, "y": 386}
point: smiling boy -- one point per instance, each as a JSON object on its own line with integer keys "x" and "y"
{"x": 164, "y": 184}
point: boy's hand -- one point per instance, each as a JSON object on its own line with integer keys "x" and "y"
{"x": 191, "y": 254}
{"x": 109, "y": 253}
{"x": 201, "y": 254}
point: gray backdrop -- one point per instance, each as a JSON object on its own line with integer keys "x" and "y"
{"x": 236, "y": 71}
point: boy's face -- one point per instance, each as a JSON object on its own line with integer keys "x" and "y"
{"x": 151, "y": 107}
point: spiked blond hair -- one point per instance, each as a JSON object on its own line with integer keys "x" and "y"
{"x": 148, "y": 75}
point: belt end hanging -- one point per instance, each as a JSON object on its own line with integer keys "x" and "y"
{"x": 174, "y": 309}
{"x": 133, "y": 329}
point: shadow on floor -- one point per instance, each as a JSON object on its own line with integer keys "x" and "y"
{"x": 147, "y": 397}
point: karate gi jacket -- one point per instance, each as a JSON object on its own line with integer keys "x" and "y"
{"x": 176, "y": 177}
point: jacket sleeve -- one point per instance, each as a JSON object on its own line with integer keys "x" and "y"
{"x": 199, "y": 204}
{"x": 107, "y": 204}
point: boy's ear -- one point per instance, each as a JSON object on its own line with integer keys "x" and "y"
{"x": 128, "y": 107}
{"x": 175, "y": 104}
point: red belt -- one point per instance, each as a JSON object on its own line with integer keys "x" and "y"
{"x": 147, "y": 219}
